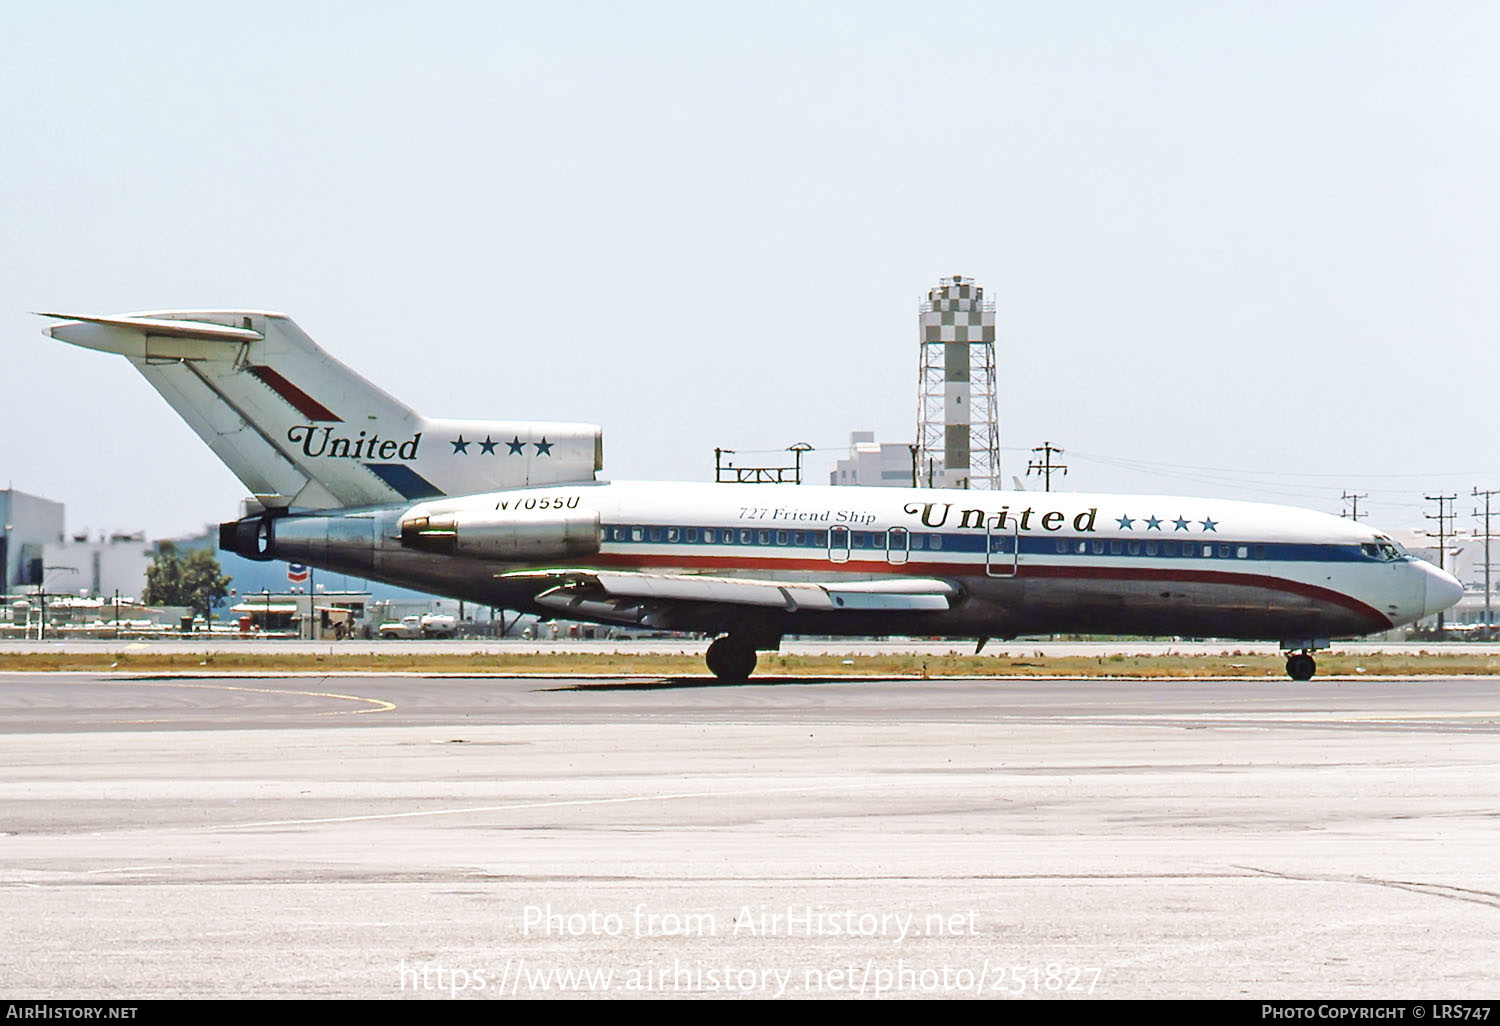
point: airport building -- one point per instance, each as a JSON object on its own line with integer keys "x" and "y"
{"x": 874, "y": 464}
{"x": 30, "y": 524}
{"x": 102, "y": 567}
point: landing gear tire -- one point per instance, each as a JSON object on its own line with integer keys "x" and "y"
{"x": 1300, "y": 666}
{"x": 730, "y": 660}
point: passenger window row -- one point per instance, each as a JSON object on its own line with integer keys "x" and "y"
{"x": 1199, "y": 550}
{"x": 901, "y": 540}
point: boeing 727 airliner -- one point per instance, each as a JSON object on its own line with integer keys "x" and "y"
{"x": 512, "y": 514}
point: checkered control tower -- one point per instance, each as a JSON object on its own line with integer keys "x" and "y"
{"x": 958, "y": 433}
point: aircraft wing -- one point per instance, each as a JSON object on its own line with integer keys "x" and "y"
{"x": 671, "y": 600}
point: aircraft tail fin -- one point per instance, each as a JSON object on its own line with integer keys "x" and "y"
{"x": 298, "y": 428}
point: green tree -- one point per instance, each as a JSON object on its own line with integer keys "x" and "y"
{"x": 194, "y": 579}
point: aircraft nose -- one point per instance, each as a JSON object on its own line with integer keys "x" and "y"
{"x": 1442, "y": 590}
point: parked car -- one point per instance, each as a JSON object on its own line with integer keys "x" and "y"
{"x": 428, "y": 625}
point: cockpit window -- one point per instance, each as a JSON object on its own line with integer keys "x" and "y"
{"x": 1383, "y": 549}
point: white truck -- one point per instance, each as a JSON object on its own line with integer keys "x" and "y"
{"x": 427, "y": 625}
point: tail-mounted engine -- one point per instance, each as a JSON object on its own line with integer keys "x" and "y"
{"x": 505, "y": 537}
{"x": 250, "y": 537}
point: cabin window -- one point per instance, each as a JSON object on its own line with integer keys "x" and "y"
{"x": 637, "y": 534}
{"x": 1083, "y": 547}
{"x": 819, "y": 539}
{"x": 1062, "y": 547}
{"x": 1098, "y": 548}
{"x": 780, "y": 537}
{"x": 799, "y": 537}
{"x": 1134, "y": 548}
{"x": 1260, "y": 552}
{"x": 763, "y": 537}
{"x": 1223, "y": 551}
{"x": 690, "y": 535}
{"x": 1242, "y": 552}
{"x": 1151, "y": 548}
{"x": 1208, "y": 550}
{"x": 1116, "y": 548}
{"x": 936, "y": 541}
{"x": 747, "y": 537}
{"x": 877, "y": 539}
{"x": 1169, "y": 548}
{"x": 672, "y": 534}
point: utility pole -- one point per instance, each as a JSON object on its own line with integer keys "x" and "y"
{"x": 914, "y": 450}
{"x": 1353, "y": 499}
{"x": 1045, "y": 466}
{"x": 1443, "y": 516}
{"x": 726, "y": 472}
{"x": 1489, "y": 624}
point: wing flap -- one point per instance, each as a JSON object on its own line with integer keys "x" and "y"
{"x": 599, "y": 591}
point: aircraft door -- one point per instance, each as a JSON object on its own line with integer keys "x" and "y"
{"x": 838, "y": 544}
{"x": 897, "y": 545}
{"x": 1002, "y": 550}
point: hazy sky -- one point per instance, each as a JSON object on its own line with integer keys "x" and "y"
{"x": 1240, "y": 249}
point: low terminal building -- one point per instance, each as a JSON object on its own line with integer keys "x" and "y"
{"x": 30, "y": 524}
{"x": 873, "y": 464}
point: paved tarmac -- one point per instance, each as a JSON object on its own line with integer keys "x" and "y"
{"x": 226, "y": 644}
{"x": 365, "y": 836}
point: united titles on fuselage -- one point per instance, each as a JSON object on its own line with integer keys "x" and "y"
{"x": 935, "y": 514}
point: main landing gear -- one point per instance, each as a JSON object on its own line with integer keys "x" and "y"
{"x": 731, "y": 659}
{"x": 1300, "y": 666}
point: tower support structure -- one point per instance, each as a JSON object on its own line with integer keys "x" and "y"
{"x": 958, "y": 432}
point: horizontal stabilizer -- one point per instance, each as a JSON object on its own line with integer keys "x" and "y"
{"x": 165, "y": 328}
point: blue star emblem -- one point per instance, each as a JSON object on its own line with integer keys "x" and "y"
{"x": 516, "y": 446}
{"x": 1125, "y": 523}
{"x": 544, "y": 447}
{"x": 487, "y": 446}
{"x": 1153, "y": 524}
{"x": 460, "y": 445}
{"x": 1210, "y": 525}
{"x": 1182, "y": 524}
